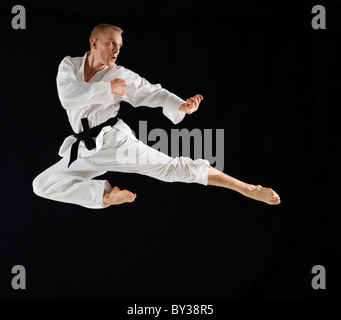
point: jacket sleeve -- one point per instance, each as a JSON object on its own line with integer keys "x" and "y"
{"x": 74, "y": 94}
{"x": 140, "y": 92}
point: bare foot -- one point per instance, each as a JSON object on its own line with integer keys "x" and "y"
{"x": 118, "y": 196}
{"x": 260, "y": 193}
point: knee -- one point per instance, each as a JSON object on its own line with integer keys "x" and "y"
{"x": 37, "y": 186}
{"x": 187, "y": 170}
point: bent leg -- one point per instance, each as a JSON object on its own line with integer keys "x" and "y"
{"x": 220, "y": 179}
{"x": 71, "y": 186}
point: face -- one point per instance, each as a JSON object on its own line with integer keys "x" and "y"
{"x": 107, "y": 47}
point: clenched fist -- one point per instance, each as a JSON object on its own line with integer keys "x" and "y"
{"x": 118, "y": 86}
{"x": 192, "y": 104}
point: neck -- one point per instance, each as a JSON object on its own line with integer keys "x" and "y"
{"x": 92, "y": 64}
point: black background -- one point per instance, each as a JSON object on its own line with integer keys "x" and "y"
{"x": 268, "y": 79}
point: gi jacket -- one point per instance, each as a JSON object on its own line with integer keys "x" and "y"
{"x": 95, "y": 100}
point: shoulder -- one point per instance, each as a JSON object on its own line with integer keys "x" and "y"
{"x": 127, "y": 73}
{"x": 121, "y": 69}
{"x": 69, "y": 61}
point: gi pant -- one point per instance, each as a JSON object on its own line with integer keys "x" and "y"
{"x": 121, "y": 152}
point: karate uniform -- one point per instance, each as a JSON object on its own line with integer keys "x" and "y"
{"x": 117, "y": 149}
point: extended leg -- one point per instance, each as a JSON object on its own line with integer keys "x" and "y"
{"x": 219, "y": 179}
{"x": 136, "y": 157}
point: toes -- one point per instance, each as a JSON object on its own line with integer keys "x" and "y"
{"x": 276, "y": 201}
{"x": 274, "y": 194}
{"x": 131, "y": 196}
{"x": 115, "y": 190}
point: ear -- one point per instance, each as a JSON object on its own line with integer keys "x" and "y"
{"x": 93, "y": 43}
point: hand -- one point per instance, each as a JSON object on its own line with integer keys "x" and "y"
{"x": 118, "y": 86}
{"x": 192, "y": 104}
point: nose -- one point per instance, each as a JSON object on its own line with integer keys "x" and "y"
{"x": 116, "y": 49}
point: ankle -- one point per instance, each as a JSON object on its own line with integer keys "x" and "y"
{"x": 247, "y": 188}
{"x": 106, "y": 197}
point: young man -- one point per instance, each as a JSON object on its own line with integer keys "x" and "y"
{"x": 90, "y": 88}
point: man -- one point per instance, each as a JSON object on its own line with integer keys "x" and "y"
{"x": 90, "y": 88}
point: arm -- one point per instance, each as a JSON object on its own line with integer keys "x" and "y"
{"x": 140, "y": 92}
{"x": 74, "y": 94}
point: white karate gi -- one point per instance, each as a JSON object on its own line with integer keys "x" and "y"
{"x": 117, "y": 149}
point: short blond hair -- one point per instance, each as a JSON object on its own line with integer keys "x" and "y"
{"x": 102, "y": 27}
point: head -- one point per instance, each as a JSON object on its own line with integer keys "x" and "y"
{"x": 105, "y": 43}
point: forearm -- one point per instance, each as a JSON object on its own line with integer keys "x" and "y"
{"x": 141, "y": 93}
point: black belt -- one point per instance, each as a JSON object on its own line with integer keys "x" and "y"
{"x": 87, "y": 134}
